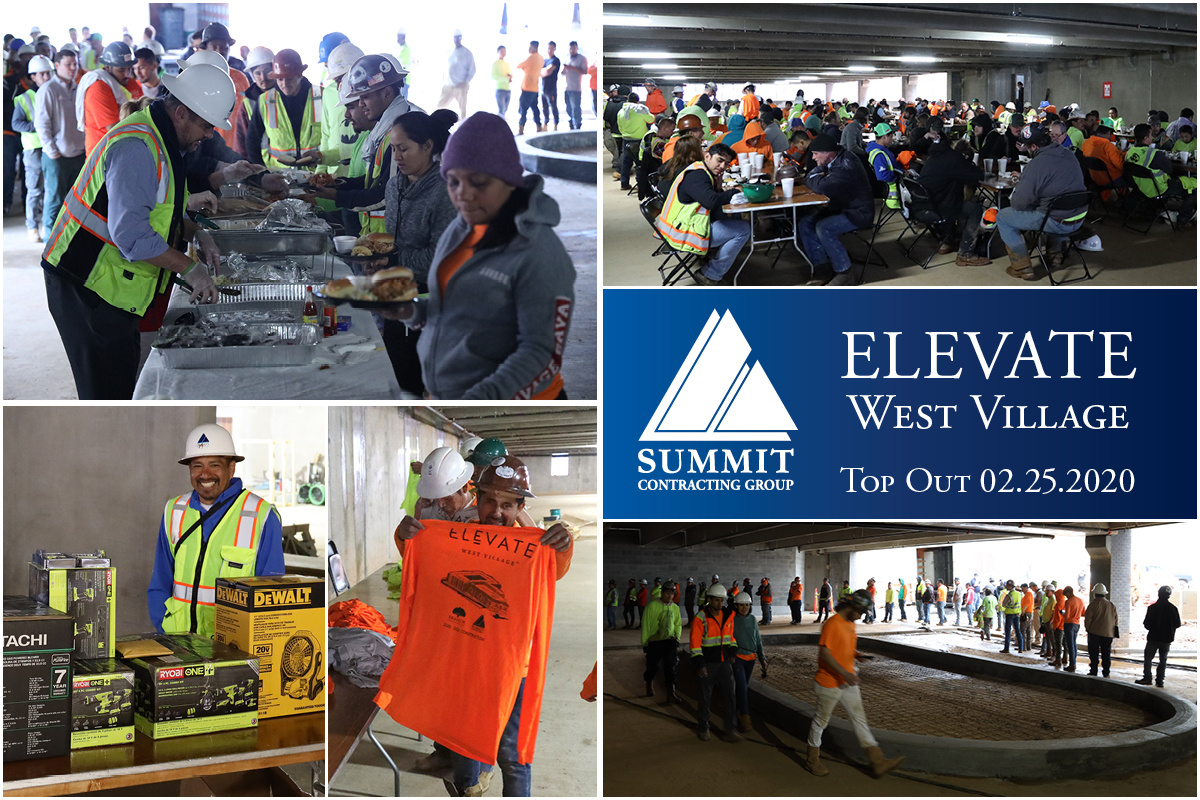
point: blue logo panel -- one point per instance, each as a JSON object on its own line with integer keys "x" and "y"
{"x": 886, "y": 403}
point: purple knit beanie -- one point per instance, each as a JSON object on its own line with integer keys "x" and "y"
{"x": 484, "y": 143}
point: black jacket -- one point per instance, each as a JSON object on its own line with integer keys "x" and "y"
{"x": 1162, "y": 618}
{"x": 698, "y": 186}
{"x": 610, "y": 116}
{"x": 994, "y": 145}
{"x": 944, "y": 175}
{"x": 848, "y": 188}
{"x": 826, "y": 591}
{"x": 689, "y": 596}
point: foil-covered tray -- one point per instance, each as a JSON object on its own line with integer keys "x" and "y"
{"x": 252, "y": 242}
{"x": 295, "y": 345}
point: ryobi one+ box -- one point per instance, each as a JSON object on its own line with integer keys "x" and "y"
{"x": 101, "y": 702}
{"x": 281, "y": 620}
{"x": 38, "y": 642}
{"x": 202, "y": 686}
{"x": 87, "y": 591}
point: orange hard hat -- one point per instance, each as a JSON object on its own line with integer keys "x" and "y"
{"x": 287, "y": 64}
{"x": 506, "y": 474}
{"x": 688, "y": 122}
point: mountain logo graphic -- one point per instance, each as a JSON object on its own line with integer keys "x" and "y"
{"x": 203, "y": 439}
{"x": 718, "y": 396}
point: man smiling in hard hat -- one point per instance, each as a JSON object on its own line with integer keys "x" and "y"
{"x": 219, "y": 530}
{"x": 444, "y": 487}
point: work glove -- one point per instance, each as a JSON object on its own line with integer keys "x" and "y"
{"x": 204, "y": 290}
{"x": 210, "y": 254}
{"x": 203, "y": 202}
{"x": 240, "y": 171}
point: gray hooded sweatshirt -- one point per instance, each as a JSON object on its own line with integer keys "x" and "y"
{"x": 423, "y": 211}
{"x": 500, "y": 331}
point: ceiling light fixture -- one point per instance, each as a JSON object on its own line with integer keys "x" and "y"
{"x": 1021, "y": 38}
{"x": 919, "y": 59}
{"x": 861, "y": 69}
{"x": 642, "y": 54}
{"x": 660, "y": 66}
{"x": 626, "y": 19}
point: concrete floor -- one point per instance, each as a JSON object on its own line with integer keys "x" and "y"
{"x": 769, "y": 763}
{"x": 36, "y": 368}
{"x": 1164, "y": 258}
{"x": 565, "y": 764}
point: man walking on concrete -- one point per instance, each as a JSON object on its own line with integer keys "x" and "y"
{"x": 713, "y": 653}
{"x": 1162, "y": 618}
{"x": 460, "y": 69}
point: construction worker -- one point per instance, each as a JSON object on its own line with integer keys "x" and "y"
{"x": 444, "y": 487}
{"x": 460, "y": 69}
{"x": 1161, "y": 622}
{"x": 1010, "y": 604}
{"x": 749, "y": 648}
{"x": 1143, "y": 152}
{"x": 1100, "y": 622}
{"x": 650, "y": 152}
{"x": 102, "y": 91}
{"x": 216, "y": 37}
{"x": 713, "y": 652}
{"x": 502, "y": 490}
{"x": 332, "y": 115}
{"x": 40, "y": 70}
{"x": 630, "y": 604}
{"x": 837, "y": 682}
{"x": 884, "y": 163}
{"x": 796, "y": 600}
{"x": 610, "y": 606}
{"x": 677, "y": 103}
{"x": 258, "y": 65}
{"x": 685, "y": 125}
{"x": 404, "y": 56}
{"x": 749, "y": 105}
{"x": 633, "y": 120}
{"x": 765, "y": 597}
{"x": 94, "y": 46}
{"x": 661, "y": 629}
{"x": 218, "y": 530}
{"x": 103, "y": 268}
{"x": 287, "y": 120}
{"x": 654, "y": 97}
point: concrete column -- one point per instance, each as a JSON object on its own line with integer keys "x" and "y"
{"x": 907, "y": 86}
{"x": 862, "y": 93}
{"x": 1120, "y": 548}
{"x": 839, "y": 570}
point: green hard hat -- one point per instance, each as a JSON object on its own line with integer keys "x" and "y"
{"x": 486, "y": 450}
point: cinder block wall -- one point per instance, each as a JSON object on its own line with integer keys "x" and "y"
{"x": 622, "y": 562}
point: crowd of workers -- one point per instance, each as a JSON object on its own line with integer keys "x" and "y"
{"x": 547, "y": 69}
{"x": 458, "y": 206}
{"x": 860, "y": 156}
{"x": 725, "y": 646}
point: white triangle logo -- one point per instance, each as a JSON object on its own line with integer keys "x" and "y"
{"x": 718, "y": 396}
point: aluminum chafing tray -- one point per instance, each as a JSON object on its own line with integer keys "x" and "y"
{"x": 253, "y": 297}
{"x": 287, "y": 243}
{"x": 281, "y": 355}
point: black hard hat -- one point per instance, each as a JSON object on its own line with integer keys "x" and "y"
{"x": 215, "y": 30}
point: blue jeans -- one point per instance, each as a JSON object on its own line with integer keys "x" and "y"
{"x": 725, "y": 241}
{"x": 766, "y": 614}
{"x": 903, "y": 616}
{"x": 610, "y": 616}
{"x": 1070, "y": 648}
{"x": 743, "y": 671}
{"x": 574, "y": 104}
{"x": 821, "y": 242}
{"x": 1011, "y": 222}
{"x": 59, "y": 174}
{"x": 528, "y": 102}
{"x": 12, "y": 154}
{"x": 550, "y": 104}
{"x": 34, "y": 189}
{"x": 1012, "y": 628}
{"x": 502, "y": 98}
{"x": 887, "y": 612}
{"x": 517, "y": 776}
{"x": 941, "y": 607}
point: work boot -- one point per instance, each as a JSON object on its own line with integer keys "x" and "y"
{"x": 556, "y": 126}
{"x": 1144, "y": 682}
{"x": 616, "y": 176}
{"x": 1068, "y": 669}
{"x": 1020, "y": 266}
{"x": 673, "y": 696}
{"x": 704, "y": 280}
{"x": 434, "y": 762}
{"x": 520, "y": 130}
{"x": 945, "y": 249}
{"x": 969, "y": 260}
{"x": 1159, "y": 685}
{"x": 705, "y": 735}
{"x": 541, "y": 128}
{"x": 1005, "y": 650}
{"x": 1056, "y": 259}
{"x": 881, "y": 766}
{"x": 649, "y": 688}
{"x": 744, "y": 725}
{"x": 813, "y": 764}
{"x": 732, "y": 736}
{"x": 1057, "y": 664}
{"x": 843, "y": 278}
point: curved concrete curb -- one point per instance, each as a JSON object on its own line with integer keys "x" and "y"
{"x": 1170, "y": 740}
{"x": 539, "y": 154}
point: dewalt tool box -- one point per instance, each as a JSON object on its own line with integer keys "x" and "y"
{"x": 281, "y": 620}
{"x": 201, "y": 687}
{"x": 38, "y": 642}
{"x": 101, "y": 702}
{"x": 87, "y": 593}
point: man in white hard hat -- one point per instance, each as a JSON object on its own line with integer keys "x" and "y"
{"x": 1100, "y": 622}
{"x": 258, "y": 67}
{"x": 112, "y": 252}
{"x": 337, "y": 131}
{"x": 218, "y": 530}
{"x": 460, "y": 69}
{"x": 713, "y": 652}
{"x": 444, "y": 487}
{"x": 40, "y": 71}
{"x": 677, "y": 101}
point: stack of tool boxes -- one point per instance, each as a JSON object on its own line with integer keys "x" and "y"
{"x": 38, "y": 642}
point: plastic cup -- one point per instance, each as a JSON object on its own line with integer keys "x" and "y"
{"x": 743, "y": 160}
{"x": 778, "y": 157}
{"x": 789, "y": 185}
{"x": 977, "y": 159}
{"x": 1003, "y": 165}
{"x": 987, "y": 165}
{"x": 758, "y": 161}
{"x": 1183, "y": 157}
{"x": 343, "y": 244}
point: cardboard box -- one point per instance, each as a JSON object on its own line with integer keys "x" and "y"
{"x": 38, "y": 642}
{"x": 203, "y": 686}
{"x": 101, "y": 702}
{"x": 48, "y": 560}
{"x": 280, "y": 619}
{"x": 87, "y": 594}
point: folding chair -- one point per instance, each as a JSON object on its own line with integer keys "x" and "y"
{"x": 1064, "y": 202}
{"x": 922, "y": 211}
{"x": 884, "y": 216}
{"x": 684, "y": 262}
{"x": 1158, "y": 203}
{"x": 1093, "y": 165}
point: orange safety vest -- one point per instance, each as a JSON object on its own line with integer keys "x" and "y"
{"x": 708, "y": 632}
{"x": 767, "y": 598}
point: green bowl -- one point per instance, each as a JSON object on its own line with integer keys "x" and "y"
{"x": 758, "y": 192}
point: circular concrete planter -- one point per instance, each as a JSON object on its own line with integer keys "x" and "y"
{"x": 1170, "y": 740}
{"x": 542, "y": 153}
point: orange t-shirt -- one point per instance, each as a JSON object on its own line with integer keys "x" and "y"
{"x": 1056, "y": 619}
{"x": 531, "y": 71}
{"x": 101, "y": 112}
{"x": 476, "y": 605}
{"x": 1027, "y": 602}
{"x": 941, "y": 594}
{"x": 1074, "y": 610}
{"x": 458, "y": 256}
{"x": 838, "y": 636}
{"x": 749, "y": 107}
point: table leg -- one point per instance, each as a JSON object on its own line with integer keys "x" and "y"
{"x": 388, "y": 758}
{"x": 796, "y": 243}
{"x": 749, "y": 252}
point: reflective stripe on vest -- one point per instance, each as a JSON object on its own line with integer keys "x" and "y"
{"x": 685, "y": 225}
{"x": 281, "y": 139}
{"x": 29, "y": 141}
{"x": 715, "y": 634}
{"x": 1142, "y": 156}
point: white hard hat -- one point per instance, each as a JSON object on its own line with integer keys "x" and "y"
{"x": 400, "y": 30}
{"x": 468, "y": 446}
{"x": 458, "y": 31}
{"x": 1091, "y": 243}
{"x": 443, "y": 472}
{"x": 210, "y": 57}
{"x": 26, "y": 50}
{"x": 743, "y": 599}
{"x": 677, "y": 88}
{"x": 69, "y": 47}
{"x": 208, "y": 440}
{"x": 714, "y": 112}
{"x": 258, "y": 57}
{"x": 344, "y": 92}
{"x": 1100, "y": 588}
{"x": 40, "y": 64}
{"x": 716, "y": 590}
{"x": 1010, "y": 106}
{"x": 341, "y": 57}
{"x": 207, "y": 91}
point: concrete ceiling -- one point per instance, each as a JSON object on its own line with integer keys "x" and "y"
{"x": 765, "y": 42}
{"x": 526, "y": 431}
{"x": 836, "y": 536}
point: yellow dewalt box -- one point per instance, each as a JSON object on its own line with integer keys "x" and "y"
{"x": 280, "y": 620}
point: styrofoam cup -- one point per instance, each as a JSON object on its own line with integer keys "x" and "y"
{"x": 1003, "y": 165}
{"x": 758, "y": 160}
{"x": 987, "y": 165}
{"x": 343, "y": 244}
{"x": 789, "y": 185}
{"x": 778, "y": 157}
{"x": 977, "y": 159}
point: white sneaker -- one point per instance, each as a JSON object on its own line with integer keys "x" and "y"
{"x": 34, "y": 235}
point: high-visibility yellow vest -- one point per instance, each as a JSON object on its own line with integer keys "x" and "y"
{"x": 281, "y": 139}
{"x": 685, "y": 225}
{"x": 29, "y": 141}
{"x": 331, "y": 115}
{"x": 1142, "y": 156}
{"x": 893, "y": 195}
{"x": 71, "y": 246}
{"x": 230, "y": 552}
{"x": 374, "y": 221}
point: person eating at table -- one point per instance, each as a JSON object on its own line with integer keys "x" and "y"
{"x": 887, "y": 172}
{"x": 754, "y": 141}
{"x": 841, "y": 177}
{"x": 945, "y": 174}
{"x": 1186, "y": 143}
{"x": 1143, "y": 152}
{"x": 1099, "y": 146}
{"x": 693, "y": 219}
